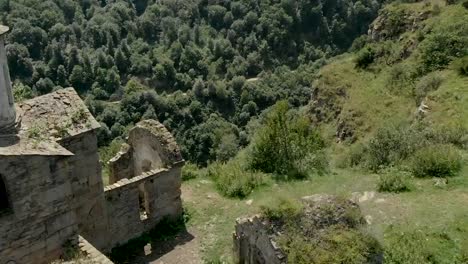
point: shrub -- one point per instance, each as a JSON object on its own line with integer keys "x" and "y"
{"x": 436, "y": 161}
{"x": 440, "y": 47}
{"x": 365, "y": 57}
{"x": 461, "y": 65}
{"x": 335, "y": 245}
{"x": 427, "y": 84}
{"x": 359, "y": 43}
{"x": 233, "y": 180}
{"x": 451, "y": 133}
{"x": 283, "y": 143}
{"x": 465, "y": 4}
{"x": 282, "y": 208}
{"x": 352, "y": 156}
{"x": 317, "y": 162}
{"x": 394, "y": 181}
{"x": 190, "y": 171}
{"x": 392, "y": 144}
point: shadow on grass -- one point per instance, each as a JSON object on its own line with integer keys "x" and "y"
{"x": 162, "y": 239}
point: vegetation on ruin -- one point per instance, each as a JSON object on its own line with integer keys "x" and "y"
{"x": 325, "y": 231}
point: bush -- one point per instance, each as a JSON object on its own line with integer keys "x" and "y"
{"x": 461, "y": 65}
{"x": 285, "y": 144}
{"x": 394, "y": 181}
{"x": 436, "y": 161}
{"x": 465, "y": 4}
{"x": 334, "y": 245}
{"x": 233, "y": 180}
{"x": 282, "y": 208}
{"x": 442, "y": 46}
{"x": 353, "y": 156}
{"x": 365, "y": 57}
{"x": 317, "y": 163}
{"x": 426, "y": 85}
{"x": 451, "y": 133}
{"x": 190, "y": 171}
{"x": 391, "y": 145}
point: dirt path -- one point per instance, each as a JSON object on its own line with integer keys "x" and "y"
{"x": 183, "y": 249}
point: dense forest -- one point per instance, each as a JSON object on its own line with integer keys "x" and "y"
{"x": 273, "y": 99}
{"x": 205, "y": 69}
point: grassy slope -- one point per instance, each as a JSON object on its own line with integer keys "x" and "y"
{"x": 426, "y": 207}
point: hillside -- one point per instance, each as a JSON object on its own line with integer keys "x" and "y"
{"x": 273, "y": 101}
{"x": 390, "y": 126}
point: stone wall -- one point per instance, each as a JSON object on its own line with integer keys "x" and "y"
{"x": 252, "y": 243}
{"x": 41, "y": 220}
{"x": 93, "y": 255}
{"x": 136, "y": 205}
{"x": 87, "y": 187}
{"x": 150, "y": 146}
{"x": 121, "y": 166}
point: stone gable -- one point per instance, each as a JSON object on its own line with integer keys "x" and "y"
{"x": 55, "y": 116}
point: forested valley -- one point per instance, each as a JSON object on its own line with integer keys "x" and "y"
{"x": 205, "y": 69}
{"x": 272, "y": 101}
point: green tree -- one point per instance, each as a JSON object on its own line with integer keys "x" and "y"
{"x": 284, "y": 143}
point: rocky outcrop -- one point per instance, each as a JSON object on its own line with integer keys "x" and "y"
{"x": 394, "y": 21}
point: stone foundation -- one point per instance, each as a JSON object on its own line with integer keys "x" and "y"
{"x": 253, "y": 244}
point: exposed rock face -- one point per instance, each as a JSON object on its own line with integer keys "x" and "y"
{"x": 392, "y": 22}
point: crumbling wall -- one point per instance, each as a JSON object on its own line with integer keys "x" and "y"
{"x": 121, "y": 166}
{"x": 252, "y": 243}
{"x": 93, "y": 255}
{"x": 161, "y": 190}
{"x": 150, "y": 146}
{"x": 87, "y": 187}
{"x": 145, "y": 179}
{"x": 41, "y": 220}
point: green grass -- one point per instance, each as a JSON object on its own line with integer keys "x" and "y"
{"x": 436, "y": 209}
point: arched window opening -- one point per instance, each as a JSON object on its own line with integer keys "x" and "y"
{"x": 4, "y": 202}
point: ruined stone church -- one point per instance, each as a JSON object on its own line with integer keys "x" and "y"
{"x": 51, "y": 187}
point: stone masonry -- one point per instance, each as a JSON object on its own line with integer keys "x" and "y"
{"x": 253, "y": 243}
{"x": 146, "y": 181}
{"x": 53, "y": 183}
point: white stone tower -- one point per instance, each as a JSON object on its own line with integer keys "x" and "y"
{"x": 7, "y": 104}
